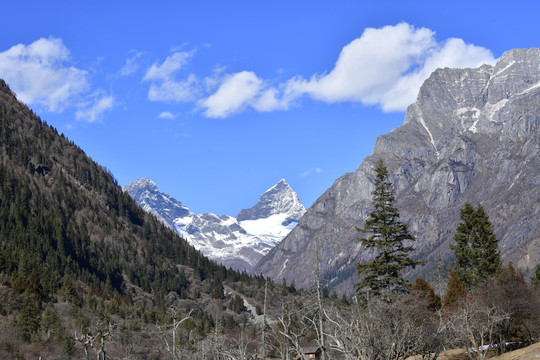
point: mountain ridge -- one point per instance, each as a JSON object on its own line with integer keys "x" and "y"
{"x": 236, "y": 242}
{"x": 472, "y": 135}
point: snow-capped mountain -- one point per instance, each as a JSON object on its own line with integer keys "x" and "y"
{"x": 236, "y": 242}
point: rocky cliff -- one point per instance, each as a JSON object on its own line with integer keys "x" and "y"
{"x": 472, "y": 135}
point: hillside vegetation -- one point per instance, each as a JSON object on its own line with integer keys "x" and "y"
{"x": 86, "y": 273}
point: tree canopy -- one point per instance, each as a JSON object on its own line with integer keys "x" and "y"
{"x": 391, "y": 240}
{"x": 475, "y": 246}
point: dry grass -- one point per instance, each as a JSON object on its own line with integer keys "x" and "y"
{"x": 531, "y": 352}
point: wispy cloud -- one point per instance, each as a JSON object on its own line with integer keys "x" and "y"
{"x": 174, "y": 91}
{"x": 311, "y": 171}
{"x": 132, "y": 65}
{"x": 165, "y": 86}
{"x": 166, "y": 115}
{"x": 169, "y": 67}
{"x": 41, "y": 73}
{"x": 94, "y": 111}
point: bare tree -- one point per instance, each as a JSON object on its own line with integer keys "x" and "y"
{"x": 263, "y": 332}
{"x": 348, "y": 334}
{"x": 383, "y": 330}
{"x": 293, "y": 328}
{"x": 176, "y": 321}
{"x": 320, "y": 315}
{"x": 475, "y": 326}
{"x": 96, "y": 339}
{"x": 240, "y": 347}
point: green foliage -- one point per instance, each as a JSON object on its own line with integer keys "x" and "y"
{"x": 217, "y": 288}
{"x": 61, "y": 213}
{"x": 325, "y": 292}
{"x": 51, "y": 325}
{"x": 476, "y": 250}
{"x": 28, "y": 321}
{"x": 237, "y": 304}
{"x": 382, "y": 276}
{"x": 292, "y": 287}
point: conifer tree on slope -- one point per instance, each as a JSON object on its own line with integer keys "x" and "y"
{"x": 382, "y": 276}
{"x": 476, "y": 250}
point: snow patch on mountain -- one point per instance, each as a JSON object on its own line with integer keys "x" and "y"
{"x": 236, "y": 242}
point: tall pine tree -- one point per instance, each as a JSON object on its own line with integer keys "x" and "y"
{"x": 476, "y": 250}
{"x": 390, "y": 238}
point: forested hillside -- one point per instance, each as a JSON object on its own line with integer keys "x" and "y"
{"x": 61, "y": 213}
{"x": 70, "y": 235}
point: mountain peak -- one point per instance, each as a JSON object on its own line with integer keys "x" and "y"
{"x": 142, "y": 184}
{"x": 279, "y": 199}
{"x": 146, "y": 193}
{"x": 224, "y": 238}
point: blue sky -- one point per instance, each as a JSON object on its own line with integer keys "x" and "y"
{"x": 217, "y": 101}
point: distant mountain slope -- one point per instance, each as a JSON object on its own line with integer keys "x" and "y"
{"x": 472, "y": 135}
{"x": 235, "y": 242}
{"x": 61, "y": 214}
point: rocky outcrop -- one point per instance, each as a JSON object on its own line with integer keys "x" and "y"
{"x": 472, "y": 135}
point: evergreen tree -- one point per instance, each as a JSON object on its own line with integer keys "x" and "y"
{"x": 29, "y": 318}
{"x": 476, "y": 246}
{"x": 382, "y": 276}
{"x": 217, "y": 288}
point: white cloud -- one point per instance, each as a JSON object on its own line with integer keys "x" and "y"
{"x": 269, "y": 101}
{"x": 40, "y": 73}
{"x": 454, "y": 53}
{"x": 387, "y": 66}
{"x": 166, "y": 115}
{"x": 95, "y": 111}
{"x": 236, "y": 92}
{"x": 384, "y": 67}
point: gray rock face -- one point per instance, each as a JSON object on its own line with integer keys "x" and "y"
{"x": 279, "y": 199}
{"x": 472, "y": 135}
{"x": 145, "y": 192}
{"x": 238, "y": 243}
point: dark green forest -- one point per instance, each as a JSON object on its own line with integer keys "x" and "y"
{"x": 61, "y": 215}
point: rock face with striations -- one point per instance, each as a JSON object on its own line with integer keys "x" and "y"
{"x": 236, "y": 242}
{"x": 472, "y": 135}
